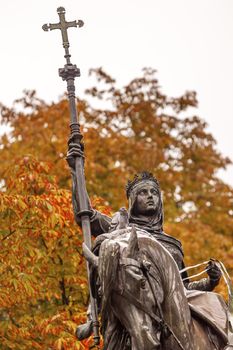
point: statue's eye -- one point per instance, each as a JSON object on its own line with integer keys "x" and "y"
{"x": 143, "y": 192}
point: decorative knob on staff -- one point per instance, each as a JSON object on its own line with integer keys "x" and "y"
{"x": 69, "y": 73}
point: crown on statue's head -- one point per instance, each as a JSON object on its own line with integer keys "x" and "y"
{"x": 143, "y": 176}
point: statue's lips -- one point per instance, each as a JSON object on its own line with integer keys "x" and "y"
{"x": 150, "y": 203}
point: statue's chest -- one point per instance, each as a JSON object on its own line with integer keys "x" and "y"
{"x": 175, "y": 253}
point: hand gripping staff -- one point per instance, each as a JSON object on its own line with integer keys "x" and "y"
{"x": 69, "y": 73}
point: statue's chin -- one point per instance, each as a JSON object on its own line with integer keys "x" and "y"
{"x": 148, "y": 212}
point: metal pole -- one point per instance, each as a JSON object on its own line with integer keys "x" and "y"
{"x": 69, "y": 73}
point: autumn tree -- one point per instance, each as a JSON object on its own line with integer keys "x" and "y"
{"x": 43, "y": 282}
{"x": 137, "y": 128}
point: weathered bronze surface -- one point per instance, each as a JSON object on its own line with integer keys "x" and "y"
{"x": 145, "y": 302}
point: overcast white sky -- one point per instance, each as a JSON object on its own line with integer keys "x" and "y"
{"x": 189, "y": 42}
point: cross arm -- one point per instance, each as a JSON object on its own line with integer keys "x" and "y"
{"x": 50, "y": 26}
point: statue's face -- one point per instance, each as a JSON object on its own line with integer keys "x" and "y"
{"x": 147, "y": 200}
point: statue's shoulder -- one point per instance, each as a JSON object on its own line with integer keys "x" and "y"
{"x": 100, "y": 223}
{"x": 164, "y": 237}
{"x": 171, "y": 238}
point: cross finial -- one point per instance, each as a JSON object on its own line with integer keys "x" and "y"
{"x": 63, "y": 26}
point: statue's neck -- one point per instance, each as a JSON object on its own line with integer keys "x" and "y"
{"x": 147, "y": 217}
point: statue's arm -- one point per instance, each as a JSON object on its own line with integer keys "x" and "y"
{"x": 100, "y": 223}
{"x": 207, "y": 284}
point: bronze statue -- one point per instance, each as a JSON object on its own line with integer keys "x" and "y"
{"x": 133, "y": 271}
{"x": 143, "y": 301}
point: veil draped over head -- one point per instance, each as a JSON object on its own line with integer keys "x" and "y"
{"x": 152, "y": 224}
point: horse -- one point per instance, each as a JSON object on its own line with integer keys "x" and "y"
{"x": 144, "y": 304}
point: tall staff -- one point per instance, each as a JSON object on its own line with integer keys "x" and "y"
{"x": 69, "y": 73}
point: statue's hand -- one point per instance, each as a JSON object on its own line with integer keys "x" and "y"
{"x": 74, "y": 150}
{"x": 213, "y": 272}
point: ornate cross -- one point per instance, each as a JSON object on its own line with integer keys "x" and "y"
{"x": 63, "y": 26}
